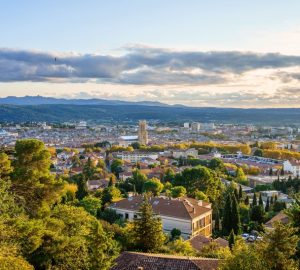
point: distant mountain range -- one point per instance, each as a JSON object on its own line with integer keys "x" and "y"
{"x": 40, "y": 100}
{"x": 37, "y": 108}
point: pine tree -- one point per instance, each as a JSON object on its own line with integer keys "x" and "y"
{"x": 260, "y": 201}
{"x": 231, "y": 239}
{"x": 254, "y": 201}
{"x": 147, "y": 229}
{"x": 236, "y": 221}
{"x": 267, "y": 208}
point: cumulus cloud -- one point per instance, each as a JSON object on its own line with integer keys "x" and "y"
{"x": 140, "y": 66}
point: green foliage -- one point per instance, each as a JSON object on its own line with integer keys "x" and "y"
{"x": 181, "y": 247}
{"x": 178, "y": 191}
{"x": 116, "y": 166}
{"x": 231, "y": 215}
{"x": 73, "y": 239}
{"x": 175, "y": 234}
{"x": 199, "y": 195}
{"x": 154, "y": 186}
{"x": 147, "y": 229}
{"x": 31, "y": 178}
{"x": 258, "y": 152}
{"x": 200, "y": 178}
{"x": 241, "y": 178}
{"x": 257, "y": 214}
{"x": 91, "y": 204}
{"x": 89, "y": 169}
{"x": 5, "y": 166}
{"x": 111, "y": 194}
{"x": 231, "y": 239}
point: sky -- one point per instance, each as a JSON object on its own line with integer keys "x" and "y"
{"x": 224, "y": 53}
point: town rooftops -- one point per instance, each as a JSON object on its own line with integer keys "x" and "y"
{"x": 149, "y": 261}
{"x": 183, "y": 208}
{"x": 280, "y": 217}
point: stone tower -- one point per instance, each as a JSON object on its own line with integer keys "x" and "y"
{"x": 143, "y": 134}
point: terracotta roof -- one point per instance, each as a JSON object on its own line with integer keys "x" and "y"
{"x": 199, "y": 241}
{"x": 184, "y": 208}
{"x": 148, "y": 261}
{"x": 280, "y": 217}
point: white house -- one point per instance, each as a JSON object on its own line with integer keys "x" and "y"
{"x": 292, "y": 166}
{"x": 190, "y": 216}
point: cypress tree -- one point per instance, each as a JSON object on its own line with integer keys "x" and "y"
{"x": 272, "y": 200}
{"x": 217, "y": 220}
{"x": 227, "y": 215}
{"x": 235, "y": 219}
{"x": 236, "y": 194}
{"x": 254, "y": 202}
{"x": 267, "y": 208}
{"x": 247, "y": 200}
{"x": 260, "y": 201}
{"x": 240, "y": 193}
{"x": 231, "y": 239}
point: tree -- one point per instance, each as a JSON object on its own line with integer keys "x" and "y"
{"x": 267, "y": 208}
{"x": 178, "y": 191}
{"x": 231, "y": 239}
{"x": 73, "y": 240}
{"x": 217, "y": 219}
{"x": 138, "y": 180}
{"x": 257, "y": 214}
{"x": 240, "y": 193}
{"x": 278, "y": 247}
{"x": 199, "y": 195}
{"x": 181, "y": 247}
{"x": 31, "y": 178}
{"x": 154, "y": 185}
{"x": 147, "y": 229}
{"x": 91, "y": 204}
{"x": 258, "y": 152}
{"x": 5, "y": 166}
{"x": 82, "y": 188}
{"x": 254, "y": 201}
{"x": 111, "y": 194}
{"x": 236, "y": 222}
{"x": 241, "y": 178}
{"x": 260, "y": 201}
{"x": 247, "y": 200}
{"x": 116, "y": 166}
{"x": 89, "y": 169}
{"x": 217, "y": 164}
{"x": 175, "y": 234}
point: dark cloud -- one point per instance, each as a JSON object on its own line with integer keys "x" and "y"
{"x": 139, "y": 65}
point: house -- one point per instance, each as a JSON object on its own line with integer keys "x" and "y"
{"x": 148, "y": 261}
{"x": 292, "y": 166}
{"x": 189, "y": 215}
{"x": 95, "y": 184}
{"x": 280, "y": 217}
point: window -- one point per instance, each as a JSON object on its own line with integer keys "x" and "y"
{"x": 126, "y": 216}
{"x": 135, "y": 216}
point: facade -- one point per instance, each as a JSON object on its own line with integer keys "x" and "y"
{"x": 185, "y": 153}
{"x": 136, "y": 156}
{"x": 143, "y": 134}
{"x": 190, "y": 216}
{"x": 292, "y": 166}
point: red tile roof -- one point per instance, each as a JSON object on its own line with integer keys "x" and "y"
{"x": 148, "y": 261}
{"x": 184, "y": 208}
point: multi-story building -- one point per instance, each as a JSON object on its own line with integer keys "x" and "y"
{"x": 190, "y": 216}
{"x": 192, "y": 152}
{"x": 136, "y": 156}
{"x": 143, "y": 134}
{"x": 195, "y": 126}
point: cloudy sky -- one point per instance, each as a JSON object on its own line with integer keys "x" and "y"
{"x": 225, "y": 53}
